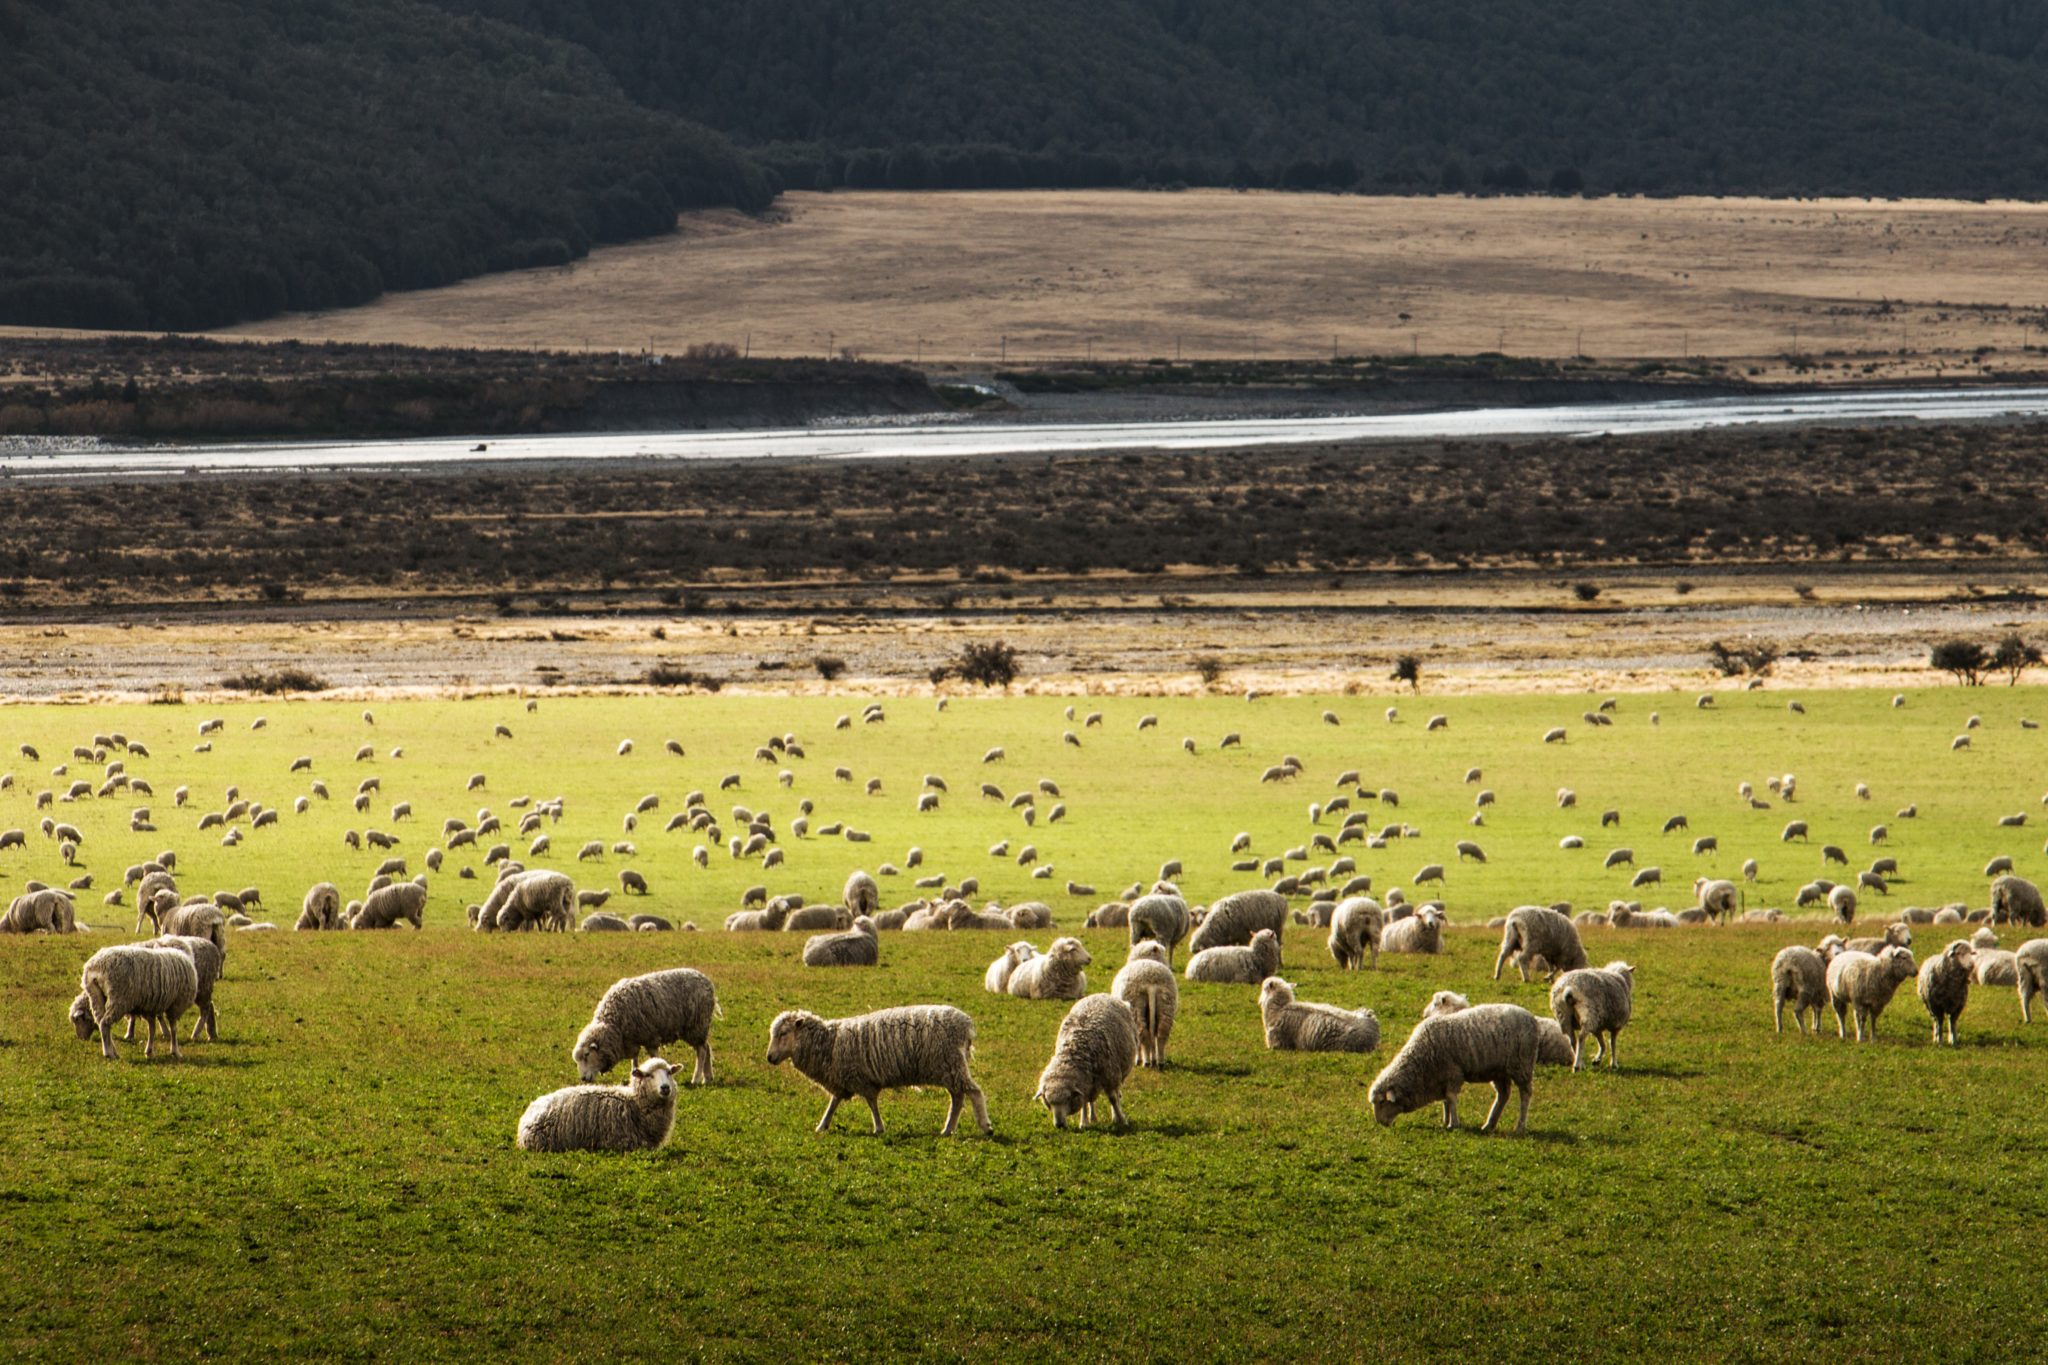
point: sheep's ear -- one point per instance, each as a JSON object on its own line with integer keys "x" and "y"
{"x": 638, "y": 1073}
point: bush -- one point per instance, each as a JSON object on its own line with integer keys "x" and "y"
{"x": 1585, "y": 592}
{"x": 828, "y": 667}
{"x": 1966, "y": 659}
{"x": 988, "y": 663}
{"x": 2013, "y": 657}
{"x": 672, "y": 675}
{"x": 1408, "y": 669}
{"x": 271, "y": 684}
{"x": 1733, "y": 661}
{"x": 1209, "y": 669}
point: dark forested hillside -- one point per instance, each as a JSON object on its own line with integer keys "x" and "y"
{"x": 1774, "y": 96}
{"x": 186, "y": 163}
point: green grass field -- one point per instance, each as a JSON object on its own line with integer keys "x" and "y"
{"x": 336, "y": 1176}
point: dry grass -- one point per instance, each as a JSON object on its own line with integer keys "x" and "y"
{"x": 1214, "y": 274}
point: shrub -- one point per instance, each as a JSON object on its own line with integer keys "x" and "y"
{"x": 828, "y": 667}
{"x": 673, "y": 675}
{"x": 271, "y": 684}
{"x": 1733, "y": 661}
{"x": 1408, "y": 669}
{"x": 1209, "y": 669}
{"x": 1585, "y": 592}
{"x": 1966, "y": 659}
{"x": 2013, "y": 657}
{"x": 989, "y": 663}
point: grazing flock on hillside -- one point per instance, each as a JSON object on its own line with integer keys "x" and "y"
{"x": 1234, "y": 941}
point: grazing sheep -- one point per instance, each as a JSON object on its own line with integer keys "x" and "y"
{"x": 1160, "y": 918}
{"x": 1649, "y": 876}
{"x": 866, "y": 1054}
{"x": 1799, "y": 977}
{"x": 1055, "y": 974}
{"x": 647, "y": 1013}
{"x": 1537, "y": 932}
{"x": 129, "y": 980}
{"x": 1235, "y": 918}
{"x": 632, "y": 883}
{"x": 1491, "y": 1043}
{"x": 529, "y": 900}
{"x": 1093, "y": 1055}
{"x": 41, "y": 911}
{"x": 1718, "y": 898}
{"x": 322, "y": 907}
{"x": 209, "y": 961}
{"x": 1147, "y": 984}
{"x": 384, "y": 908}
{"x": 603, "y": 922}
{"x": 856, "y": 947}
{"x": 1421, "y": 932}
{"x": 1235, "y": 964}
{"x": 633, "y": 1117}
{"x": 2017, "y": 900}
{"x": 1617, "y": 857}
{"x": 1108, "y": 915}
{"x": 862, "y": 896}
{"x": 1865, "y": 984}
{"x": 1842, "y": 901}
{"x": 2030, "y": 974}
{"x": 1355, "y": 927}
{"x": 1594, "y": 1002}
{"x": 1945, "y": 986}
{"x": 1298, "y": 1026}
{"x": 1554, "y": 735}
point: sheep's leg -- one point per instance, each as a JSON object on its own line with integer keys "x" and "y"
{"x": 875, "y": 1111}
{"x": 1116, "y": 1109}
{"x": 1451, "y": 1107}
{"x": 1613, "y": 1050}
{"x": 149, "y": 1043}
{"x": 107, "y": 1039}
{"x": 129, "y": 1036}
{"x": 1578, "y": 1041}
{"x": 831, "y": 1108}
{"x": 171, "y": 1032}
{"x": 980, "y": 1103}
{"x": 1522, "y": 1120}
{"x": 953, "y": 1099}
{"x": 1500, "y": 1103}
{"x": 1778, "y": 1013}
{"x": 702, "y": 1076}
{"x": 1502, "y": 960}
{"x": 1841, "y": 1020}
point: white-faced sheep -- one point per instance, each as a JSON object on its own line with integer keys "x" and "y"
{"x": 636, "y": 1116}
{"x": 1594, "y": 1002}
{"x": 1235, "y": 918}
{"x": 1355, "y": 928}
{"x": 1488, "y": 1043}
{"x": 1056, "y": 974}
{"x": 1093, "y": 1055}
{"x": 1147, "y": 984}
{"x": 996, "y": 980}
{"x": 1865, "y": 984}
{"x": 2018, "y": 901}
{"x": 1160, "y": 918}
{"x": 646, "y": 1013}
{"x": 866, "y": 1054}
{"x": 130, "y": 979}
{"x": 1238, "y": 964}
{"x": 1300, "y": 1026}
{"x": 1944, "y": 986}
{"x": 856, "y": 947}
{"x": 1537, "y": 931}
{"x": 1420, "y": 932}
{"x": 2030, "y": 974}
{"x": 1799, "y": 978}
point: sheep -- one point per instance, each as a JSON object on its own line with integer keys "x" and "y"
{"x": 866, "y": 1054}
{"x": 1617, "y": 857}
{"x": 1055, "y": 974}
{"x": 1537, "y": 931}
{"x": 43, "y": 911}
{"x": 2018, "y": 901}
{"x": 1234, "y": 964}
{"x": 1093, "y": 1055}
{"x": 1147, "y": 984}
{"x": 1944, "y": 986}
{"x": 384, "y": 908}
{"x": 1649, "y": 876}
{"x": 813, "y": 917}
{"x": 648, "y": 1012}
{"x": 208, "y": 959}
{"x": 130, "y": 979}
{"x": 1842, "y": 901}
{"x": 996, "y": 980}
{"x": 856, "y": 947}
{"x": 529, "y": 900}
{"x": 1236, "y": 918}
{"x": 321, "y": 908}
{"x": 1717, "y": 898}
{"x": 1421, "y": 932}
{"x": 1160, "y": 918}
{"x": 1493, "y": 1043}
{"x": 603, "y": 922}
{"x": 772, "y": 919}
{"x": 1895, "y": 935}
{"x": 650, "y": 924}
{"x": 1795, "y": 829}
{"x": 1355, "y": 928}
{"x": 861, "y": 895}
{"x": 632, "y": 883}
{"x": 1298, "y": 1026}
{"x": 196, "y": 919}
{"x": 1594, "y": 1002}
{"x": 1031, "y": 915}
{"x": 1108, "y": 915}
{"x": 2030, "y": 974}
{"x": 633, "y": 1117}
{"x": 1865, "y": 984}
{"x": 1799, "y": 977}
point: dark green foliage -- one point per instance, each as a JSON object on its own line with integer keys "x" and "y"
{"x": 2013, "y": 657}
{"x": 986, "y": 663}
{"x": 1965, "y": 658}
{"x": 273, "y": 684}
{"x": 189, "y": 163}
{"x": 1408, "y": 670}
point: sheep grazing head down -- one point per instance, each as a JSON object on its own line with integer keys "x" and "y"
{"x": 81, "y": 1017}
{"x": 784, "y": 1034}
{"x": 1387, "y": 1104}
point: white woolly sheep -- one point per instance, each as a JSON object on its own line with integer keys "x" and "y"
{"x": 209, "y": 961}
{"x": 636, "y": 1116}
{"x": 647, "y": 1013}
{"x": 1865, "y": 984}
{"x": 1093, "y": 1055}
{"x": 1489, "y": 1043}
{"x": 856, "y": 947}
{"x": 1355, "y": 928}
{"x": 1842, "y": 901}
{"x": 1235, "y": 918}
{"x": 2018, "y": 901}
{"x": 538, "y": 899}
{"x": 996, "y": 980}
{"x": 1161, "y": 918}
{"x": 1056, "y": 974}
{"x": 908, "y": 1045}
{"x": 1299, "y": 1026}
{"x": 1537, "y": 931}
{"x": 1421, "y": 932}
{"x": 321, "y": 908}
{"x": 1594, "y": 1002}
{"x": 1944, "y": 986}
{"x": 862, "y": 896}
{"x": 2030, "y": 974}
{"x": 386, "y": 907}
{"x": 1799, "y": 978}
{"x": 1147, "y": 984}
{"x": 130, "y": 979}
{"x": 1235, "y": 964}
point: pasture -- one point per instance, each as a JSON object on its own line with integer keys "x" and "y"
{"x": 336, "y": 1175}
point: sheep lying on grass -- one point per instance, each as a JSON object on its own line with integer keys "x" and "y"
{"x": 1243, "y": 966}
{"x": 1055, "y": 974}
{"x": 1596, "y": 1003}
{"x": 888, "y": 1049}
{"x": 646, "y": 1013}
{"x": 1490, "y": 1043}
{"x": 132, "y": 979}
{"x": 636, "y": 1116}
{"x": 1093, "y": 1055}
{"x": 855, "y": 947}
{"x": 996, "y": 980}
{"x": 1146, "y": 983}
{"x": 1299, "y": 1026}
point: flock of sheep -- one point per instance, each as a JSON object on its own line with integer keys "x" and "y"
{"x": 1234, "y": 941}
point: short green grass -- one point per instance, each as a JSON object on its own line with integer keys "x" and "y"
{"x": 335, "y": 1178}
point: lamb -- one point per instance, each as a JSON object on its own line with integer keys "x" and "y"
{"x": 1236, "y": 918}
{"x": 1146, "y": 983}
{"x": 1158, "y": 917}
{"x": 1944, "y": 986}
{"x": 1093, "y": 1055}
{"x": 1492, "y": 1043}
{"x": 1594, "y": 1002}
{"x": 1355, "y": 927}
{"x": 2030, "y": 974}
{"x": 1298, "y": 1026}
{"x": 633, "y": 1117}
{"x": 869, "y": 1053}
{"x": 1866, "y": 984}
{"x": 1421, "y": 932}
{"x": 2017, "y": 900}
{"x": 1234, "y": 964}
{"x": 649, "y": 1012}
{"x": 861, "y": 896}
{"x": 322, "y": 907}
{"x": 529, "y": 900}
{"x": 996, "y": 980}
{"x": 131, "y": 979}
{"x": 1799, "y": 977}
{"x": 384, "y": 908}
{"x": 1537, "y": 931}
{"x": 856, "y": 947}
{"x": 1055, "y": 974}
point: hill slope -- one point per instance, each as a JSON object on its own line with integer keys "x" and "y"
{"x": 186, "y": 163}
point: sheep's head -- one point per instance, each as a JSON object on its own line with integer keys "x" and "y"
{"x": 1962, "y": 953}
{"x": 1445, "y": 1002}
{"x": 595, "y": 1052}
{"x": 81, "y": 1017}
{"x": 1275, "y": 993}
{"x": 1388, "y": 1105}
{"x": 1621, "y": 968}
{"x": 1898, "y": 962}
{"x": 1898, "y": 934}
{"x": 1071, "y": 950}
{"x": 1148, "y": 950}
{"x": 654, "y": 1080}
{"x": 787, "y": 1030}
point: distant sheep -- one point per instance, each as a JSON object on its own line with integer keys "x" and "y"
{"x": 864, "y": 1055}
{"x": 321, "y": 908}
{"x": 856, "y": 947}
{"x": 1162, "y": 919}
{"x": 1236, "y": 918}
{"x": 2016, "y": 900}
